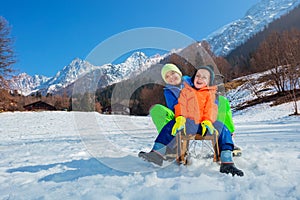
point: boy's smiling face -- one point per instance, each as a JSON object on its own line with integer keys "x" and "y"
{"x": 202, "y": 78}
{"x": 173, "y": 78}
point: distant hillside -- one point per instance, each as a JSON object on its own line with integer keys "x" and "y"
{"x": 256, "y": 88}
{"x": 240, "y": 56}
{"x": 138, "y": 93}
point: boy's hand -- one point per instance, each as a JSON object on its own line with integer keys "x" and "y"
{"x": 179, "y": 125}
{"x": 207, "y": 126}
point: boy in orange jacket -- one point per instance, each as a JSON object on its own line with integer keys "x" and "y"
{"x": 195, "y": 113}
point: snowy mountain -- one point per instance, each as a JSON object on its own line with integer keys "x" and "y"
{"x": 227, "y": 38}
{"x": 26, "y": 84}
{"x": 222, "y": 42}
{"x": 79, "y": 68}
{"x": 134, "y": 64}
{"x": 69, "y": 74}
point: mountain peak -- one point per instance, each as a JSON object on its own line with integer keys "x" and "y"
{"x": 76, "y": 61}
{"x": 69, "y": 74}
{"x": 137, "y": 58}
{"x": 137, "y": 54}
{"x": 25, "y": 83}
{"x": 230, "y": 36}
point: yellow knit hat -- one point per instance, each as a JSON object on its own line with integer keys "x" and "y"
{"x": 169, "y": 67}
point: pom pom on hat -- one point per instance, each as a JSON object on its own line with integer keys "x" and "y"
{"x": 169, "y": 67}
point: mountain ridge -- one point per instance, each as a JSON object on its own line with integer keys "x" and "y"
{"x": 232, "y": 35}
{"x": 222, "y": 42}
{"x": 79, "y": 68}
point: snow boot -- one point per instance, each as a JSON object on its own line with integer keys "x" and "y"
{"x": 231, "y": 168}
{"x": 152, "y": 156}
{"x": 237, "y": 151}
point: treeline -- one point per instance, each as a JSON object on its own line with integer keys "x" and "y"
{"x": 137, "y": 94}
{"x": 13, "y": 101}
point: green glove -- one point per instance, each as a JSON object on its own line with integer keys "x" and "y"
{"x": 207, "y": 126}
{"x": 179, "y": 125}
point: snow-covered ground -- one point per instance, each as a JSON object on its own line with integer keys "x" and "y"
{"x": 77, "y": 155}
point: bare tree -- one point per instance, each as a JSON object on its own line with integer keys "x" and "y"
{"x": 269, "y": 56}
{"x": 292, "y": 70}
{"x": 280, "y": 53}
{"x": 6, "y": 52}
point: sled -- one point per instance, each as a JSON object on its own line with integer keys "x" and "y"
{"x": 183, "y": 141}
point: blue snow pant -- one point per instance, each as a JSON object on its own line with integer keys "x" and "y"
{"x": 166, "y": 138}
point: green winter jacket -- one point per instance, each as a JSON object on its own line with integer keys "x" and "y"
{"x": 224, "y": 113}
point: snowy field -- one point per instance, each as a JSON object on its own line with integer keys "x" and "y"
{"x": 74, "y": 155}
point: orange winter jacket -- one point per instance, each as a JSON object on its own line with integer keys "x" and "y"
{"x": 197, "y": 105}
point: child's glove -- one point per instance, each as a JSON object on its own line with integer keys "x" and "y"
{"x": 207, "y": 125}
{"x": 179, "y": 125}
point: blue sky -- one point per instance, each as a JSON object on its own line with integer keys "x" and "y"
{"x": 49, "y": 34}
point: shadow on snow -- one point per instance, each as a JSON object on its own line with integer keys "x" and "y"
{"x": 107, "y": 166}
{"x": 74, "y": 169}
